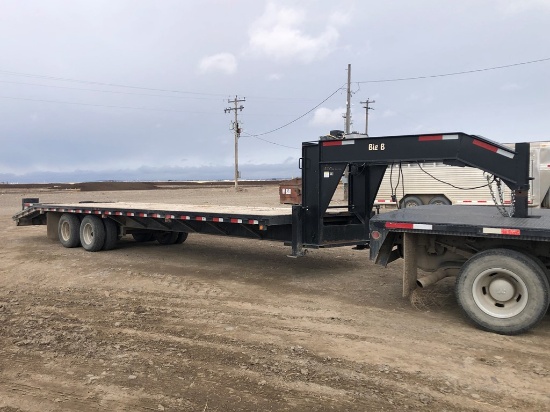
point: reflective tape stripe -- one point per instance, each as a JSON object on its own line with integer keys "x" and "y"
{"x": 338, "y": 142}
{"x": 500, "y": 231}
{"x": 431, "y": 138}
{"x": 493, "y": 149}
{"x": 402, "y": 225}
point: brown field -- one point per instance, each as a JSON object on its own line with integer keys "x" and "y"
{"x": 226, "y": 324}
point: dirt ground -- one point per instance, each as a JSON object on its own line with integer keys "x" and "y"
{"x": 225, "y": 324}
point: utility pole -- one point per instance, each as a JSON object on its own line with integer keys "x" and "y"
{"x": 237, "y": 129}
{"x": 348, "y": 123}
{"x": 348, "y": 102}
{"x": 367, "y": 108}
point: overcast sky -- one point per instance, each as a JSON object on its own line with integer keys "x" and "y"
{"x": 136, "y": 89}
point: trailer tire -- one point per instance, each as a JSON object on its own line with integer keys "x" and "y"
{"x": 439, "y": 200}
{"x": 166, "y": 238}
{"x": 142, "y": 236}
{"x": 411, "y": 201}
{"x": 68, "y": 230}
{"x": 111, "y": 234}
{"x": 92, "y": 233}
{"x": 503, "y": 291}
{"x": 182, "y": 236}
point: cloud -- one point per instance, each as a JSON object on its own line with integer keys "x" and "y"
{"x": 328, "y": 117}
{"x": 519, "y": 6}
{"x": 221, "y": 62}
{"x": 279, "y": 35}
{"x": 274, "y": 77}
{"x": 510, "y": 87}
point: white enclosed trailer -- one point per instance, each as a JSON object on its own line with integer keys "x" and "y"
{"x": 428, "y": 183}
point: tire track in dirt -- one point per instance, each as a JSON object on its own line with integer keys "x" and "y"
{"x": 157, "y": 331}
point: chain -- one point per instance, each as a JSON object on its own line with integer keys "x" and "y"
{"x": 513, "y": 204}
{"x": 499, "y": 205}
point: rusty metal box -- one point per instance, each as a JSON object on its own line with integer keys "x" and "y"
{"x": 290, "y": 192}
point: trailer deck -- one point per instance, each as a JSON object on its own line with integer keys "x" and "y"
{"x": 230, "y": 214}
{"x": 270, "y": 223}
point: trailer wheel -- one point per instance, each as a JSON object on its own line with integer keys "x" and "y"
{"x": 142, "y": 236}
{"x": 166, "y": 238}
{"x": 92, "y": 233}
{"x": 503, "y": 291}
{"x": 439, "y": 200}
{"x": 111, "y": 234}
{"x": 182, "y": 236}
{"x": 411, "y": 201}
{"x": 68, "y": 230}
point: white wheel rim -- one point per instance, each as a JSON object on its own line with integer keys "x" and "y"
{"x": 65, "y": 230}
{"x": 87, "y": 233}
{"x": 500, "y": 293}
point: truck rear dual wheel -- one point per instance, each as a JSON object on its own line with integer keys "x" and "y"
{"x": 170, "y": 238}
{"x": 111, "y": 234}
{"x": 92, "y": 233}
{"x": 163, "y": 238}
{"x": 182, "y": 237}
{"x": 142, "y": 236}
{"x": 503, "y": 291}
{"x": 68, "y": 230}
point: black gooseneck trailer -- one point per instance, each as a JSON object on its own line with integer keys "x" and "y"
{"x": 500, "y": 261}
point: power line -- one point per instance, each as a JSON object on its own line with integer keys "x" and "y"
{"x": 214, "y": 95}
{"x": 454, "y": 73}
{"x": 102, "y": 105}
{"x": 110, "y": 91}
{"x": 65, "y": 79}
{"x": 298, "y": 118}
{"x": 151, "y": 95}
{"x": 269, "y": 141}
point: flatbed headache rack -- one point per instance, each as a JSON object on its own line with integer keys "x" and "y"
{"x": 442, "y": 240}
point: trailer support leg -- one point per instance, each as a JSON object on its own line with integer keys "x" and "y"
{"x": 52, "y": 220}
{"x": 409, "y": 268}
{"x": 297, "y": 233}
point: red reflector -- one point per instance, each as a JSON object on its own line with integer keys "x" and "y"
{"x": 396, "y": 225}
{"x": 513, "y": 232}
{"x": 485, "y": 145}
{"x": 375, "y": 235}
{"x": 430, "y": 138}
{"x": 333, "y": 143}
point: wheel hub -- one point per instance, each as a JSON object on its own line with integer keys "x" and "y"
{"x": 500, "y": 293}
{"x": 65, "y": 230}
{"x": 501, "y": 290}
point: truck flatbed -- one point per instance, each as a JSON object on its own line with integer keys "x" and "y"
{"x": 466, "y": 221}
